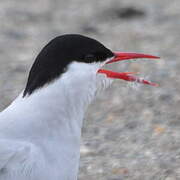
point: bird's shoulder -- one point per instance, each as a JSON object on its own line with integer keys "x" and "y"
{"x": 17, "y": 157}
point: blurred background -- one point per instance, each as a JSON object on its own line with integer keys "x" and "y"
{"x": 131, "y": 132}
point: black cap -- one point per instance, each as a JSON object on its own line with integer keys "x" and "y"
{"x": 54, "y": 58}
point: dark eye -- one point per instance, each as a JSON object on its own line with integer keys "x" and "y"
{"x": 100, "y": 56}
{"x": 90, "y": 58}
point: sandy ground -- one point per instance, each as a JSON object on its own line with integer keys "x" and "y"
{"x": 130, "y": 132}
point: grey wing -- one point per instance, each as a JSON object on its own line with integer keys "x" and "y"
{"x": 17, "y": 159}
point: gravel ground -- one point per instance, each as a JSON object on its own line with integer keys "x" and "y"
{"x": 130, "y": 132}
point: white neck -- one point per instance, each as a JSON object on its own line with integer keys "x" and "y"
{"x": 65, "y": 100}
{"x": 52, "y": 116}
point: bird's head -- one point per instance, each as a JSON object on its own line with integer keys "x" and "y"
{"x": 81, "y": 55}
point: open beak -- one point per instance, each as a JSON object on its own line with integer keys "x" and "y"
{"x": 127, "y": 76}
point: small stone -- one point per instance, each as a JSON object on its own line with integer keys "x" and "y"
{"x": 85, "y": 150}
{"x": 159, "y": 129}
{"x": 120, "y": 171}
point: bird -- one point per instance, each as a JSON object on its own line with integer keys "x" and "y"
{"x": 40, "y": 131}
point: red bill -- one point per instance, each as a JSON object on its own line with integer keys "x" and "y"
{"x": 127, "y": 76}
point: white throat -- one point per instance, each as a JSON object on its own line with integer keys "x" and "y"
{"x": 66, "y": 99}
{"x": 51, "y": 117}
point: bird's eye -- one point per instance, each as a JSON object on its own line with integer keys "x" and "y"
{"x": 90, "y": 58}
